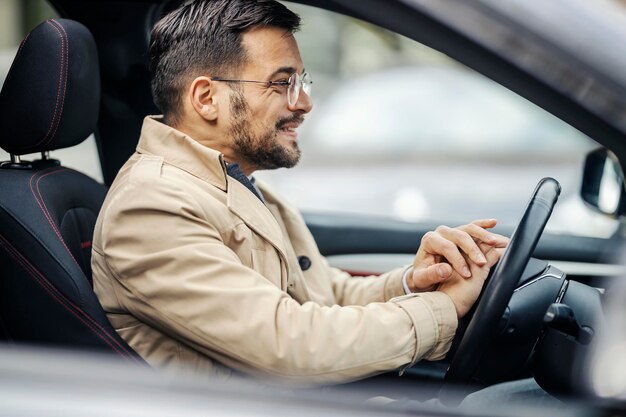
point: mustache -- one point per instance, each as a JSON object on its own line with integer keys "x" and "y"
{"x": 295, "y": 118}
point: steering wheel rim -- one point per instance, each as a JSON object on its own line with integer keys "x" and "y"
{"x": 498, "y": 290}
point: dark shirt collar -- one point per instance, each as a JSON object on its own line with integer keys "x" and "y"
{"x": 235, "y": 172}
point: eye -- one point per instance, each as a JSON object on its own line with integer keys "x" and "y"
{"x": 281, "y": 84}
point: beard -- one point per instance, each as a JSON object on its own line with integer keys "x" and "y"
{"x": 262, "y": 150}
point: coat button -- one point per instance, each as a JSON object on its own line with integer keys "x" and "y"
{"x": 304, "y": 262}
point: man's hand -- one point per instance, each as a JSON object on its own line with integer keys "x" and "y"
{"x": 452, "y": 256}
{"x": 465, "y": 291}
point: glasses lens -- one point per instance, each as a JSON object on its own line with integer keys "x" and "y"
{"x": 306, "y": 83}
{"x": 294, "y": 89}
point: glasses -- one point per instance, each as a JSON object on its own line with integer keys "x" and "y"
{"x": 294, "y": 84}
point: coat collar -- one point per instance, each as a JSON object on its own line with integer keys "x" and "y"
{"x": 181, "y": 151}
{"x": 207, "y": 164}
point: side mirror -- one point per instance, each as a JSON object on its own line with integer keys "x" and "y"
{"x": 603, "y": 183}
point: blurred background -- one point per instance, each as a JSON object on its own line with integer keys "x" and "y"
{"x": 398, "y": 131}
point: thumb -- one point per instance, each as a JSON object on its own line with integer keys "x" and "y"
{"x": 426, "y": 278}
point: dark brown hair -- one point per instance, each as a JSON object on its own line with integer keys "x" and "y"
{"x": 204, "y": 37}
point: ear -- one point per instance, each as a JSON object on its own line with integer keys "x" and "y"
{"x": 203, "y": 98}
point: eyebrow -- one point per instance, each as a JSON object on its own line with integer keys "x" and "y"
{"x": 285, "y": 70}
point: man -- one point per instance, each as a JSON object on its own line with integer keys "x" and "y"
{"x": 197, "y": 265}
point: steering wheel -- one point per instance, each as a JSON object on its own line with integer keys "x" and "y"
{"x": 498, "y": 291}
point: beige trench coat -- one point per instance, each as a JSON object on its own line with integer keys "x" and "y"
{"x": 192, "y": 269}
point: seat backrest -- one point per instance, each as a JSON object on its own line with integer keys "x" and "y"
{"x": 49, "y": 101}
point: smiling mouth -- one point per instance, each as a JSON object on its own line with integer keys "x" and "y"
{"x": 288, "y": 126}
{"x": 290, "y": 129}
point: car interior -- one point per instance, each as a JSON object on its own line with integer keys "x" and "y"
{"x": 86, "y": 73}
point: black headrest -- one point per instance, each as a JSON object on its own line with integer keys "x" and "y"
{"x": 51, "y": 95}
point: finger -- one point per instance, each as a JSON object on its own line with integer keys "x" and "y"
{"x": 477, "y": 230}
{"x": 425, "y": 279}
{"x": 481, "y": 234}
{"x": 494, "y": 256}
{"x": 485, "y": 247}
{"x": 485, "y": 223}
{"x": 465, "y": 242}
{"x": 435, "y": 244}
{"x": 502, "y": 241}
{"x": 498, "y": 241}
{"x": 486, "y": 236}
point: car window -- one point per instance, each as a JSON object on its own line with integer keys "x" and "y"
{"x": 17, "y": 18}
{"x": 402, "y": 131}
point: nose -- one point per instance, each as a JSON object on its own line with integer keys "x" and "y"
{"x": 304, "y": 103}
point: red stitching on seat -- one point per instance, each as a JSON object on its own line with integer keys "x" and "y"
{"x": 67, "y": 59}
{"x": 44, "y": 209}
{"x": 46, "y": 139}
{"x": 22, "y": 44}
{"x": 69, "y": 306}
{"x": 85, "y": 245}
{"x": 54, "y": 117}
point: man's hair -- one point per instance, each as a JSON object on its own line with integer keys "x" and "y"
{"x": 204, "y": 37}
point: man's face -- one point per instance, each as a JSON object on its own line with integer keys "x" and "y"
{"x": 262, "y": 123}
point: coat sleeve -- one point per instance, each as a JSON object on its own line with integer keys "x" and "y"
{"x": 174, "y": 272}
{"x": 351, "y": 290}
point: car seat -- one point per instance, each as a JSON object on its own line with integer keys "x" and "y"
{"x": 49, "y": 101}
